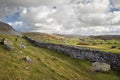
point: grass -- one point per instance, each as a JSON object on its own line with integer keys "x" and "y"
{"x": 53, "y": 38}
{"x": 102, "y": 45}
{"x": 106, "y": 48}
{"x": 48, "y": 65}
{"x": 99, "y": 44}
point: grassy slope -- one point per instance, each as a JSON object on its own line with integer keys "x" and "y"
{"x": 103, "y": 45}
{"x": 53, "y": 38}
{"x": 6, "y": 28}
{"x": 48, "y": 65}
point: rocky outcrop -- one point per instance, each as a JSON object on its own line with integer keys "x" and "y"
{"x": 82, "y": 53}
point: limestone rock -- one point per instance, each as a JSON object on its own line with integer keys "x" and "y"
{"x": 20, "y": 52}
{"x": 28, "y": 59}
{"x": 26, "y": 67}
{"x": 21, "y": 46}
{"x": 5, "y": 41}
{"x": 101, "y": 67}
{"x": 7, "y": 44}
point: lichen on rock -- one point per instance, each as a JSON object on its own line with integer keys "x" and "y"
{"x": 101, "y": 67}
{"x": 7, "y": 44}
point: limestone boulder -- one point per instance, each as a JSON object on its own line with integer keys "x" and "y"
{"x": 101, "y": 67}
{"x": 28, "y": 59}
{"x": 7, "y": 44}
{"x": 22, "y": 46}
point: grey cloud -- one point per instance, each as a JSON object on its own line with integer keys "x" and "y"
{"x": 31, "y": 3}
{"x": 116, "y": 3}
{"x": 64, "y": 16}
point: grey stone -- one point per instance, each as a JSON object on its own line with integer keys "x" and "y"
{"x": 101, "y": 67}
{"x": 21, "y": 46}
{"x": 28, "y": 59}
{"x": 26, "y": 67}
{"x": 7, "y": 44}
{"x": 20, "y": 52}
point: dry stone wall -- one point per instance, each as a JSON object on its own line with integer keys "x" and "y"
{"x": 81, "y": 53}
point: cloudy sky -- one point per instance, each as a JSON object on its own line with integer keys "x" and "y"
{"x": 81, "y": 17}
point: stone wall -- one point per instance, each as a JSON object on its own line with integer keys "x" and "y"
{"x": 81, "y": 53}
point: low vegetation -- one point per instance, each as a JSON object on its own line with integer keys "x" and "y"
{"x": 46, "y": 64}
{"x": 111, "y": 45}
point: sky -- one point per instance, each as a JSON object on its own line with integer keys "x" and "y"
{"x": 80, "y": 17}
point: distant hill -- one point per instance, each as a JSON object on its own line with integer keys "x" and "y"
{"x": 71, "y": 35}
{"x": 44, "y": 36}
{"x": 7, "y": 29}
{"x": 106, "y": 37}
{"x": 52, "y": 38}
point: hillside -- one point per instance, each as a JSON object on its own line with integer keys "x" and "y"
{"x": 52, "y": 38}
{"x": 7, "y": 29}
{"x": 83, "y": 41}
{"x": 106, "y": 37}
{"x": 102, "y": 43}
{"x": 46, "y": 65}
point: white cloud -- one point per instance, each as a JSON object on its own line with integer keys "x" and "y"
{"x": 19, "y": 26}
{"x": 35, "y": 14}
{"x": 24, "y": 11}
{"x": 65, "y": 16}
{"x": 97, "y": 13}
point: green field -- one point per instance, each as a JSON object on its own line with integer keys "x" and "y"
{"x": 47, "y": 65}
{"x": 104, "y": 45}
